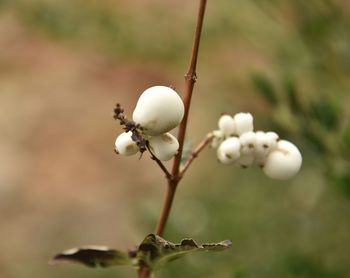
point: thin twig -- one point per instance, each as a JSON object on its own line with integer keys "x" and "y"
{"x": 144, "y": 272}
{"x": 190, "y": 79}
{"x": 194, "y": 154}
{"x": 160, "y": 164}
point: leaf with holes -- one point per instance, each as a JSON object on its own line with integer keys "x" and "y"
{"x": 155, "y": 251}
{"x": 93, "y": 256}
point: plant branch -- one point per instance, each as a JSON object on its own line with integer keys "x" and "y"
{"x": 144, "y": 272}
{"x": 160, "y": 164}
{"x": 190, "y": 79}
{"x": 194, "y": 154}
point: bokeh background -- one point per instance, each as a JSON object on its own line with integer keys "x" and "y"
{"x": 63, "y": 66}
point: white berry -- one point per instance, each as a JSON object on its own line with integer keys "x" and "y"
{"x": 273, "y": 136}
{"x": 245, "y": 160}
{"x": 124, "y": 145}
{"x": 164, "y": 146}
{"x": 284, "y": 162}
{"x": 265, "y": 143}
{"x": 227, "y": 125}
{"x": 159, "y": 109}
{"x": 248, "y": 142}
{"x": 229, "y": 150}
{"x": 243, "y": 122}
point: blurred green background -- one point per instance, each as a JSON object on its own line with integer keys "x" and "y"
{"x": 63, "y": 66}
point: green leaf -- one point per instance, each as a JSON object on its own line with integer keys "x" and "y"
{"x": 292, "y": 96}
{"x": 314, "y": 140}
{"x": 155, "y": 251}
{"x": 265, "y": 87}
{"x": 327, "y": 112}
{"x": 342, "y": 181}
{"x": 346, "y": 138}
{"x": 93, "y": 256}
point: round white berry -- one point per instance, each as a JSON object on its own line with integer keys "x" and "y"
{"x": 284, "y": 162}
{"x": 248, "y": 141}
{"x": 227, "y": 125}
{"x": 262, "y": 141}
{"x": 273, "y": 136}
{"x": 245, "y": 160}
{"x": 124, "y": 145}
{"x": 164, "y": 146}
{"x": 229, "y": 150}
{"x": 243, "y": 123}
{"x": 159, "y": 109}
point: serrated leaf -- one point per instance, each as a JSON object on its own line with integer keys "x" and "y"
{"x": 93, "y": 256}
{"x": 155, "y": 251}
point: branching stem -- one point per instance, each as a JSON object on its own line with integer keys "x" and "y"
{"x": 160, "y": 164}
{"x": 190, "y": 79}
{"x": 194, "y": 154}
{"x": 175, "y": 176}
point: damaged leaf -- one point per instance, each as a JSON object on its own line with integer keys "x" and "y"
{"x": 154, "y": 251}
{"x": 93, "y": 256}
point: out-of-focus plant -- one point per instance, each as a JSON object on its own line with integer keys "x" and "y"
{"x": 318, "y": 123}
{"x": 159, "y": 110}
{"x": 305, "y": 97}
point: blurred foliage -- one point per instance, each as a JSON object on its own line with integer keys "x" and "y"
{"x": 321, "y": 120}
{"x": 102, "y": 25}
{"x": 295, "y": 54}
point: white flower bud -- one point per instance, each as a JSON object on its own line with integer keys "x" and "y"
{"x": 218, "y": 137}
{"x": 227, "y": 125}
{"x": 229, "y": 150}
{"x": 245, "y": 160}
{"x": 124, "y": 145}
{"x": 284, "y": 162}
{"x": 158, "y": 110}
{"x": 248, "y": 141}
{"x": 164, "y": 146}
{"x": 243, "y": 122}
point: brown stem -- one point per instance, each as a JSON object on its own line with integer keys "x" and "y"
{"x": 160, "y": 164}
{"x": 190, "y": 79}
{"x": 144, "y": 272}
{"x": 194, "y": 154}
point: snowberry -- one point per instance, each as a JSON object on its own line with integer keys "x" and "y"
{"x": 265, "y": 143}
{"x": 159, "y": 109}
{"x": 164, "y": 146}
{"x": 246, "y": 160}
{"x": 229, "y": 150}
{"x": 248, "y": 141}
{"x": 273, "y": 139}
{"x": 243, "y": 122}
{"x": 284, "y": 162}
{"x": 124, "y": 145}
{"x": 227, "y": 125}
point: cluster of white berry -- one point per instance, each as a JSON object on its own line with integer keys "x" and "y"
{"x": 236, "y": 142}
{"x": 159, "y": 109}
